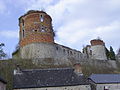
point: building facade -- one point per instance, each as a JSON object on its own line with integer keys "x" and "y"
{"x": 78, "y": 87}
{"x": 50, "y": 79}
{"x": 105, "y": 81}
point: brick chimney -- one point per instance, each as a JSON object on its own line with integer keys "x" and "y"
{"x": 78, "y": 69}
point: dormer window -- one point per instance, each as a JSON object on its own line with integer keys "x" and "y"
{"x": 41, "y": 18}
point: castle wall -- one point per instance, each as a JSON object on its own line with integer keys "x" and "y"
{"x": 98, "y": 52}
{"x": 37, "y": 50}
{"x": 58, "y": 52}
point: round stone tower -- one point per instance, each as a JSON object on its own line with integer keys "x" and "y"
{"x": 35, "y": 26}
{"x": 36, "y": 35}
{"x": 98, "y": 49}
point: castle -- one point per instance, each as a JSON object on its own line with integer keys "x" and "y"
{"x": 37, "y": 42}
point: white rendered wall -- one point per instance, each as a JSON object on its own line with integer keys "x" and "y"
{"x": 110, "y": 86}
{"x": 81, "y": 87}
{"x": 98, "y": 52}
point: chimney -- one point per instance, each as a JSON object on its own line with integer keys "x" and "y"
{"x": 17, "y": 70}
{"x": 78, "y": 69}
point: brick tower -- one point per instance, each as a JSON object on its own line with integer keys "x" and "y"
{"x": 35, "y": 26}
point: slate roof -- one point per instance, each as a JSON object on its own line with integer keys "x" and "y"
{"x": 105, "y": 78}
{"x": 38, "y": 78}
{"x": 2, "y": 80}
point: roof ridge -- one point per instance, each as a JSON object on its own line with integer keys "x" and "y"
{"x": 47, "y": 69}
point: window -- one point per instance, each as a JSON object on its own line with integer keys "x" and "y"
{"x": 64, "y": 50}
{"x": 23, "y": 33}
{"x": 22, "y": 22}
{"x": 56, "y": 48}
{"x": 68, "y": 52}
{"x": 34, "y": 30}
{"x": 42, "y": 29}
{"x": 71, "y": 52}
{"x": 41, "y": 18}
{"x": 106, "y": 88}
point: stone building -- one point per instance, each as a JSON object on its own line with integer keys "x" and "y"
{"x": 51, "y": 79}
{"x": 105, "y": 81}
{"x": 37, "y": 40}
{"x": 2, "y": 84}
{"x": 96, "y": 50}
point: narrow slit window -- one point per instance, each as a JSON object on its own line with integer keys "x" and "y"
{"x": 41, "y": 18}
{"x": 23, "y": 33}
{"x": 22, "y": 22}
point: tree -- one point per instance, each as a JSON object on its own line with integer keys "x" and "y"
{"x": 112, "y": 54}
{"x": 2, "y": 53}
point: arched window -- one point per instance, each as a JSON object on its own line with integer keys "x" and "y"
{"x": 41, "y": 18}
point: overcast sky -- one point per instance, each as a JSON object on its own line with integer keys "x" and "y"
{"x": 76, "y": 22}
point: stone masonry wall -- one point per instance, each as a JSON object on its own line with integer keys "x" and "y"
{"x": 98, "y": 52}
{"x": 58, "y": 52}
